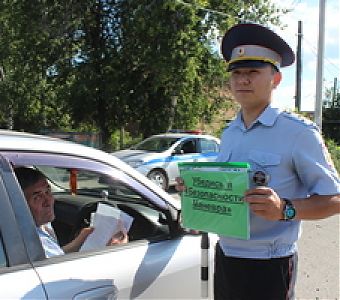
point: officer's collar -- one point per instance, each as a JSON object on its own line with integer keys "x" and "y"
{"x": 267, "y": 117}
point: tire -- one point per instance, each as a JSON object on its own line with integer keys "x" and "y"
{"x": 159, "y": 178}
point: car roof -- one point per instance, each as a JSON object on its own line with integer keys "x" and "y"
{"x": 184, "y": 135}
{"x": 28, "y": 142}
{"x": 22, "y": 141}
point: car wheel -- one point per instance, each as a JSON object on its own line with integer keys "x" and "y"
{"x": 159, "y": 177}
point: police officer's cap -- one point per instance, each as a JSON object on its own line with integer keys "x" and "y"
{"x": 252, "y": 45}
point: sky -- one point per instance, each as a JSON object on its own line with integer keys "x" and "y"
{"x": 307, "y": 11}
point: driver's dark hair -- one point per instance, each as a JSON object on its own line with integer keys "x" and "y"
{"x": 28, "y": 176}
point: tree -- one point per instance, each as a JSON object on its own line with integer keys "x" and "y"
{"x": 168, "y": 52}
{"x": 93, "y": 96}
{"x": 33, "y": 41}
{"x": 105, "y": 64}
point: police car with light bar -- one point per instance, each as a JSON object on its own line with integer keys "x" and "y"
{"x": 157, "y": 156}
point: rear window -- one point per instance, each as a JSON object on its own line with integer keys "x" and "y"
{"x": 156, "y": 144}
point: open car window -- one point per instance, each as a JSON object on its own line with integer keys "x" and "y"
{"x": 78, "y": 192}
{"x": 79, "y": 185}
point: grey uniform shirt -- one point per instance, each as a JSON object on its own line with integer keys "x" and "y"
{"x": 290, "y": 150}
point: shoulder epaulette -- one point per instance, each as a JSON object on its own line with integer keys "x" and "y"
{"x": 299, "y": 119}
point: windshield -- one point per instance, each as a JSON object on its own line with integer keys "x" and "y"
{"x": 156, "y": 144}
{"x": 87, "y": 182}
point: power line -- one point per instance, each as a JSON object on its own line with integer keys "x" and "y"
{"x": 314, "y": 50}
{"x": 294, "y": 4}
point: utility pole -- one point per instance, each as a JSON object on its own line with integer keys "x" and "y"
{"x": 319, "y": 69}
{"x": 335, "y": 93}
{"x": 298, "y": 69}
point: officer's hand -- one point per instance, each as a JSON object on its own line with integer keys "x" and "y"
{"x": 264, "y": 202}
{"x": 180, "y": 187}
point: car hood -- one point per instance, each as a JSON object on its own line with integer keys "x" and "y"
{"x": 128, "y": 155}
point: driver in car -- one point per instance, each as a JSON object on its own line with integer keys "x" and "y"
{"x": 40, "y": 200}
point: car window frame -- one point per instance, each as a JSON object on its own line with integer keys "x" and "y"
{"x": 178, "y": 149}
{"x": 64, "y": 161}
{"x": 70, "y": 161}
{"x": 19, "y": 235}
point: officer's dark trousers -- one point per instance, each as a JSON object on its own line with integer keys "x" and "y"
{"x": 254, "y": 279}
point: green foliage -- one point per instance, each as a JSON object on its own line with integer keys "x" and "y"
{"x": 108, "y": 64}
{"x": 334, "y": 150}
{"x": 123, "y": 140}
{"x": 331, "y": 115}
{"x": 331, "y": 123}
{"x": 30, "y": 46}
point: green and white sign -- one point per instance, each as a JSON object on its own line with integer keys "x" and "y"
{"x": 213, "y": 198}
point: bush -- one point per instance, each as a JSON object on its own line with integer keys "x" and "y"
{"x": 334, "y": 151}
{"x": 330, "y": 123}
{"x": 123, "y": 140}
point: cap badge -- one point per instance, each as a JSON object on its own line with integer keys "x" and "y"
{"x": 240, "y": 51}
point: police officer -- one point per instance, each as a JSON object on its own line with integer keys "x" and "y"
{"x": 294, "y": 179}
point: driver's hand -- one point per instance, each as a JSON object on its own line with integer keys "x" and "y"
{"x": 118, "y": 238}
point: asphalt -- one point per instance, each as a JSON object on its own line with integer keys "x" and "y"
{"x": 318, "y": 267}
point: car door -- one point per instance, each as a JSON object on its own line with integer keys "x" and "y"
{"x": 186, "y": 151}
{"x": 160, "y": 268}
{"x": 21, "y": 253}
{"x": 163, "y": 270}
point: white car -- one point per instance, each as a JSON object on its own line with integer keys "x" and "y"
{"x": 161, "y": 260}
{"x": 157, "y": 156}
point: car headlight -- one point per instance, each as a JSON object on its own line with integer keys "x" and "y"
{"x": 135, "y": 163}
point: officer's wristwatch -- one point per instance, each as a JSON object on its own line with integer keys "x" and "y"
{"x": 288, "y": 210}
